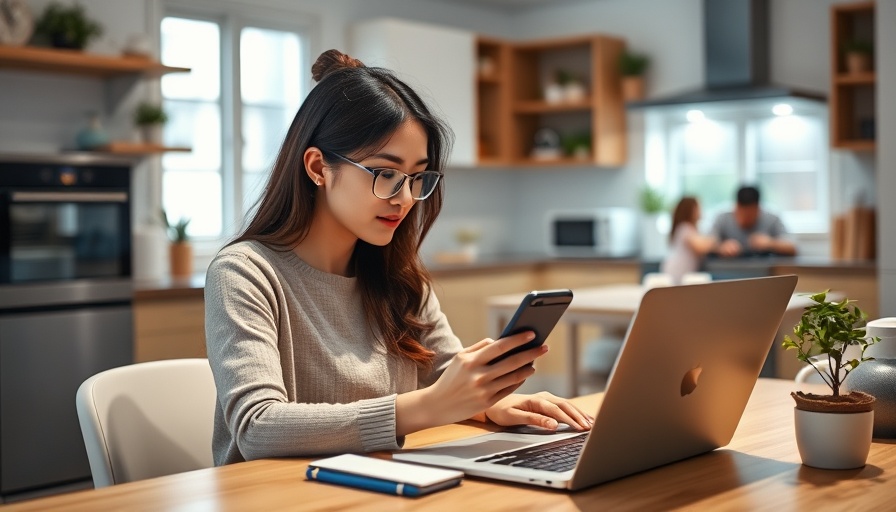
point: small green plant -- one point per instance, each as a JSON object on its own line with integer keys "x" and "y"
{"x": 66, "y": 26}
{"x": 148, "y": 113}
{"x": 633, "y": 64}
{"x": 652, "y": 200}
{"x": 858, "y": 46}
{"x": 828, "y": 329}
{"x": 576, "y": 142}
{"x": 563, "y": 77}
{"x": 467, "y": 235}
{"x": 177, "y": 232}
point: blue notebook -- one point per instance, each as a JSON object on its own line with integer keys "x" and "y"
{"x": 382, "y": 475}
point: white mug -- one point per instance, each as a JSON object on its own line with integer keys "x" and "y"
{"x": 885, "y": 329}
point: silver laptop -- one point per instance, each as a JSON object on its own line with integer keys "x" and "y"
{"x": 688, "y": 365}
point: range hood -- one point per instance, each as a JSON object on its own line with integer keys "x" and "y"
{"x": 736, "y": 57}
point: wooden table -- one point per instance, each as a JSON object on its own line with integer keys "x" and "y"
{"x": 612, "y": 307}
{"x": 759, "y": 470}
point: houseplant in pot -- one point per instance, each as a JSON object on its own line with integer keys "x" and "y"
{"x": 180, "y": 250}
{"x": 632, "y": 67}
{"x": 653, "y": 241}
{"x": 832, "y": 431}
{"x": 150, "y": 119}
{"x": 64, "y": 26}
{"x": 858, "y": 55}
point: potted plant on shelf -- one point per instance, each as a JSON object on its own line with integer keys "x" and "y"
{"x": 858, "y": 55}
{"x": 653, "y": 241}
{"x": 150, "y": 118}
{"x": 180, "y": 250}
{"x": 832, "y": 431}
{"x": 64, "y": 26}
{"x": 632, "y": 67}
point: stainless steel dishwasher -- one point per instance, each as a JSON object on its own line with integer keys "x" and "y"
{"x": 65, "y": 307}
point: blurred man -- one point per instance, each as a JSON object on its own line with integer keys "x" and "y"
{"x": 749, "y": 230}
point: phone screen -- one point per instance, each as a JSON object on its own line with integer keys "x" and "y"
{"x": 538, "y": 312}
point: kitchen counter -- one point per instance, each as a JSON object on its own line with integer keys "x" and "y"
{"x": 720, "y": 268}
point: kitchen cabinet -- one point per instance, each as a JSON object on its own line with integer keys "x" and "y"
{"x": 169, "y": 328}
{"x": 515, "y": 109}
{"x": 437, "y": 62}
{"x": 119, "y": 73}
{"x": 852, "y": 101}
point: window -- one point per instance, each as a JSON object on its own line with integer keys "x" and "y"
{"x": 709, "y": 152}
{"x": 233, "y": 109}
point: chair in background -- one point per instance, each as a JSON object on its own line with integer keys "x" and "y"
{"x": 147, "y": 420}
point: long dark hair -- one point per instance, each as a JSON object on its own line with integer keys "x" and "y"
{"x": 354, "y": 110}
{"x": 684, "y": 213}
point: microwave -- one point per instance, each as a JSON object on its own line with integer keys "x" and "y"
{"x": 610, "y": 232}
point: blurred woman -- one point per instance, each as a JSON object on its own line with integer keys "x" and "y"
{"x": 687, "y": 247}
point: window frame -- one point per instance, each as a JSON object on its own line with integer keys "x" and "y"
{"x": 232, "y": 18}
{"x": 663, "y": 172}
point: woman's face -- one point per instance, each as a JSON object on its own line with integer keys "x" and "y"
{"x": 350, "y": 195}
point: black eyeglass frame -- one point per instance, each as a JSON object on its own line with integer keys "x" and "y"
{"x": 377, "y": 171}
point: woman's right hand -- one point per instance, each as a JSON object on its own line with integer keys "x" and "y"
{"x": 469, "y": 385}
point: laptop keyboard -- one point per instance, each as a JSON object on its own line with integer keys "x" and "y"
{"x": 556, "y": 456}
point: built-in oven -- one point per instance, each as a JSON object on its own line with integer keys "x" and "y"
{"x": 65, "y": 307}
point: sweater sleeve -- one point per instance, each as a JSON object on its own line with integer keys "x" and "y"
{"x": 440, "y": 340}
{"x": 243, "y": 332}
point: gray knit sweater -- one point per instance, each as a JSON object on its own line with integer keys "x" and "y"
{"x": 298, "y": 370}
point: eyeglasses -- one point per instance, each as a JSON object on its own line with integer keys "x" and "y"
{"x": 388, "y": 182}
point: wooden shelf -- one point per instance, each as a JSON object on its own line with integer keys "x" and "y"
{"x": 543, "y": 107}
{"x": 53, "y": 60}
{"x": 867, "y": 78}
{"x": 856, "y": 144}
{"x": 138, "y": 148}
{"x": 512, "y": 107}
{"x": 852, "y": 101}
{"x": 554, "y": 162}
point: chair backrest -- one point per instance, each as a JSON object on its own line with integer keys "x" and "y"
{"x": 147, "y": 420}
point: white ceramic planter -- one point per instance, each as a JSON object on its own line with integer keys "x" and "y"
{"x": 833, "y": 440}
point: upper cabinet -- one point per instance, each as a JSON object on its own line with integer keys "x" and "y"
{"x": 551, "y": 102}
{"x": 500, "y": 97}
{"x": 437, "y": 62}
{"x": 852, "y": 101}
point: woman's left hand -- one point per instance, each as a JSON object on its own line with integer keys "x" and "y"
{"x": 542, "y": 409}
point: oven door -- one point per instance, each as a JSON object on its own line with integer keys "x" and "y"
{"x": 64, "y": 235}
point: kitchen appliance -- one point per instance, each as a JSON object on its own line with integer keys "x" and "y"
{"x": 65, "y": 307}
{"x": 736, "y": 58}
{"x": 593, "y": 232}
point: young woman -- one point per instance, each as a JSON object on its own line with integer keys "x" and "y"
{"x": 687, "y": 247}
{"x": 323, "y": 332}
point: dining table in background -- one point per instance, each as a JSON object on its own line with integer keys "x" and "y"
{"x": 612, "y": 307}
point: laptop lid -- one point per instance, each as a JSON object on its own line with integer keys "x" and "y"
{"x": 684, "y": 375}
{"x": 688, "y": 365}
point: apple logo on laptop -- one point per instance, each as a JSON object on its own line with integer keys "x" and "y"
{"x": 689, "y": 381}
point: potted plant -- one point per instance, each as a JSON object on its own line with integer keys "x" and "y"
{"x": 64, "y": 26}
{"x": 468, "y": 237}
{"x": 577, "y": 145}
{"x": 832, "y": 431}
{"x": 180, "y": 250}
{"x": 653, "y": 206}
{"x": 150, "y": 118}
{"x": 632, "y": 67}
{"x": 858, "y": 55}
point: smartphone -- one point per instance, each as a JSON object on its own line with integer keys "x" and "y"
{"x": 539, "y": 312}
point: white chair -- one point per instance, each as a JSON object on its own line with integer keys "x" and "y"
{"x": 147, "y": 420}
